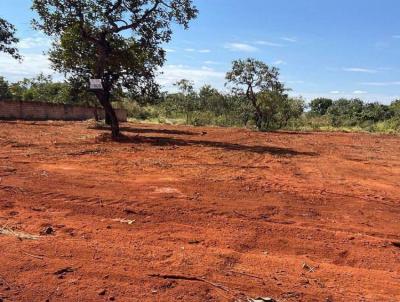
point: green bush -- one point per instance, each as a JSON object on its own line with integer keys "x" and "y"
{"x": 135, "y": 111}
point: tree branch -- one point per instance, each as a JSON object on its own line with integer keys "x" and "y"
{"x": 141, "y": 19}
{"x": 110, "y": 10}
{"x": 82, "y": 29}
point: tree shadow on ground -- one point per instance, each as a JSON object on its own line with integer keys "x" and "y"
{"x": 292, "y": 132}
{"x": 39, "y": 123}
{"x": 167, "y": 141}
{"x": 148, "y": 130}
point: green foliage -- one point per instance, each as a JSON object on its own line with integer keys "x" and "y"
{"x": 354, "y": 115}
{"x": 278, "y": 109}
{"x": 261, "y": 87}
{"x": 320, "y": 106}
{"x": 5, "y": 92}
{"x": 117, "y": 41}
{"x": 344, "y": 112}
{"x": 138, "y": 112}
{"x": 250, "y": 74}
{"x": 209, "y": 106}
{"x": 354, "y": 112}
{"x": 8, "y": 39}
{"x": 186, "y": 100}
{"x": 375, "y": 112}
{"x": 43, "y": 88}
{"x": 394, "y": 108}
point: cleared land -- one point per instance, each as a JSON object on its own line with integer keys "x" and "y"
{"x": 225, "y": 213}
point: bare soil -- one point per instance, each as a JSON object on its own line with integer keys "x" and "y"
{"x": 197, "y": 214}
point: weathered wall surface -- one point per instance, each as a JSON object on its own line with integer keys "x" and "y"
{"x": 24, "y": 110}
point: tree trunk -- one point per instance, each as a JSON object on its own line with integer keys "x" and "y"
{"x": 104, "y": 99}
{"x": 107, "y": 118}
{"x": 103, "y": 53}
{"x": 258, "y": 113}
{"x": 114, "y": 123}
{"x": 96, "y": 115}
{"x": 259, "y": 119}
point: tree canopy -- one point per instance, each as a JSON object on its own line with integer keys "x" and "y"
{"x": 254, "y": 78}
{"x": 8, "y": 39}
{"x": 320, "y": 105}
{"x": 117, "y": 41}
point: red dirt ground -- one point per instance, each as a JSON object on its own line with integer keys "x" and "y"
{"x": 292, "y": 216}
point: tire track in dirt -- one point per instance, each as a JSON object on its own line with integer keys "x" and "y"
{"x": 83, "y": 206}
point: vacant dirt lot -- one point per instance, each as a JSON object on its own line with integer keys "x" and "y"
{"x": 230, "y": 213}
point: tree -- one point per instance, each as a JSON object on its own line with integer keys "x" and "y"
{"x": 117, "y": 41}
{"x": 251, "y": 77}
{"x": 395, "y": 108}
{"x": 345, "y": 112}
{"x": 187, "y": 98}
{"x": 8, "y": 39}
{"x": 42, "y": 88}
{"x": 210, "y": 99}
{"x": 5, "y": 92}
{"x": 290, "y": 109}
{"x": 375, "y": 112}
{"x": 270, "y": 103}
{"x": 320, "y": 105}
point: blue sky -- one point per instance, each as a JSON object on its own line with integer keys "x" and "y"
{"x": 323, "y": 48}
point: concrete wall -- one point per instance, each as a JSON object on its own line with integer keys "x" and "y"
{"x": 23, "y": 110}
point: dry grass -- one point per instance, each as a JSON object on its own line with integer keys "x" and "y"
{"x": 7, "y": 231}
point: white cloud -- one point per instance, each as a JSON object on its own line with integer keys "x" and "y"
{"x": 34, "y": 61}
{"x": 279, "y": 62}
{"x": 34, "y": 42}
{"x": 360, "y": 92}
{"x": 207, "y": 68}
{"x": 240, "y": 47}
{"x": 170, "y": 50}
{"x": 205, "y": 50}
{"x": 267, "y": 43}
{"x": 211, "y": 62}
{"x": 295, "y": 82}
{"x": 31, "y": 66}
{"x": 381, "y": 84}
{"x": 289, "y": 39}
{"x": 200, "y": 76}
{"x": 358, "y": 69}
{"x": 334, "y": 92}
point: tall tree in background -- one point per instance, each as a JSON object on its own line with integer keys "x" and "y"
{"x": 8, "y": 39}
{"x": 117, "y": 41}
{"x": 251, "y": 77}
{"x": 187, "y": 97}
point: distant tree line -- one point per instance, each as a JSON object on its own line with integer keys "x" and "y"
{"x": 43, "y": 88}
{"x": 353, "y": 113}
{"x": 269, "y": 110}
{"x": 208, "y": 106}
